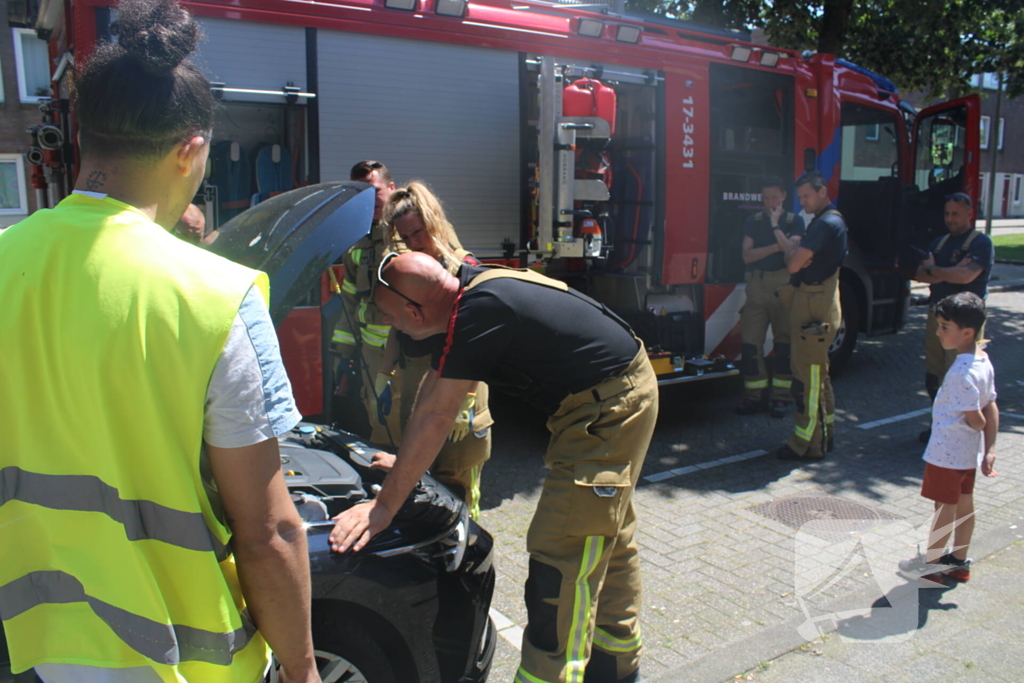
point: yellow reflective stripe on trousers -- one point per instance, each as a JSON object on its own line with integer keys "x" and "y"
{"x": 474, "y": 491}
{"x": 576, "y": 648}
{"x": 756, "y": 384}
{"x": 522, "y": 676}
{"x": 361, "y": 311}
{"x": 348, "y": 287}
{"x": 382, "y": 330}
{"x": 782, "y": 383}
{"x": 341, "y": 337}
{"x": 610, "y": 643}
{"x": 813, "y": 396}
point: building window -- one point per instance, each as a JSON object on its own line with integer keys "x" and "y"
{"x": 33, "y": 60}
{"x": 986, "y": 122}
{"x": 871, "y": 132}
{"x": 1016, "y": 189}
{"x": 13, "y": 198}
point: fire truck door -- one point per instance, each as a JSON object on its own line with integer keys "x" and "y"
{"x": 945, "y": 150}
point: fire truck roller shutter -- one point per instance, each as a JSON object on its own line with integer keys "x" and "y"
{"x": 442, "y": 113}
{"x": 253, "y": 56}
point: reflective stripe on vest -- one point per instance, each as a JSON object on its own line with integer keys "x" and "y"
{"x": 107, "y": 528}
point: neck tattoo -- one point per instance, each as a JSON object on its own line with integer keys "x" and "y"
{"x": 95, "y": 181}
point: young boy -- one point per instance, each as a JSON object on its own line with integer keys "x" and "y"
{"x": 965, "y": 420}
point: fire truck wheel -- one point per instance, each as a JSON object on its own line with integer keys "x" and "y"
{"x": 846, "y": 339}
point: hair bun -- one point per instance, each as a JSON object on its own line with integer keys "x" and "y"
{"x": 160, "y": 34}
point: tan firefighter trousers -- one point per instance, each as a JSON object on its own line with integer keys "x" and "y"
{"x": 762, "y": 309}
{"x": 583, "y": 590}
{"x": 815, "y": 316}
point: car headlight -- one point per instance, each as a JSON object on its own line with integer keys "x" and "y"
{"x": 454, "y": 544}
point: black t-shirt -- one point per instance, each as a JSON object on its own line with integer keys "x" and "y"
{"x": 532, "y": 341}
{"x": 981, "y": 252}
{"x": 758, "y": 226}
{"x": 826, "y": 237}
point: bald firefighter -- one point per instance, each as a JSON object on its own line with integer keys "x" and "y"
{"x": 534, "y": 337}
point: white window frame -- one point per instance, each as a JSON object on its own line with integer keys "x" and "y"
{"x": 19, "y": 60}
{"x": 1002, "y": 132}
{"x": 985, "y": 125}
{"x": 1018, "y": 196}
{"x": 19, "y": 162}
{"x": 871, "y": 132}
{"x": 2, "y": 99}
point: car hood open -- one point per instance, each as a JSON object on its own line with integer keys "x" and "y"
{"x": 294, "y": 237}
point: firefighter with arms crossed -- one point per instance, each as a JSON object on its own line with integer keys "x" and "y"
{"x": 958, "y": 262}
{"x": 360, "y": 334}
{"x": 767, "y": 236}
{"x": 815, "y": 315}
{"x": 145, "y": 528}
{"x": 535, "y": 338}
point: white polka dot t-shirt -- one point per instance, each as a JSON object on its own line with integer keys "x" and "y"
{"x": 970, "y": 384}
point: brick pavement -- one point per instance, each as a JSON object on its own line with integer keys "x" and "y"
{"x": 721, "y": 584}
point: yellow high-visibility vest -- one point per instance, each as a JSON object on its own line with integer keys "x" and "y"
{"x": 113, "y": 553}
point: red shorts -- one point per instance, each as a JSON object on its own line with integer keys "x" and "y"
{"x": 944, "y": 485}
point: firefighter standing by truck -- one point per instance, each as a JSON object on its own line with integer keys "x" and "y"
{"x": 414, "y": 220}
{"x": 815, "y": 316}
{"x": 533, "y": 337}
{"x": 767, "y": 236}
{"x": 360, "y": 334}
{"x": 958, "y": 262}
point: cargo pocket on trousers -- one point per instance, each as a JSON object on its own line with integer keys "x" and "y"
{"x": 597, "y": 498}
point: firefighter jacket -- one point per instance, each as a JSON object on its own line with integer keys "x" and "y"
{"x": 114, "y": 554}
{"x": 361, "y": 322}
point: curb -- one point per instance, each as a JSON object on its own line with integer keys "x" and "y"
{"x": 725, "y": 663}
{"x": 1010, "y": 261}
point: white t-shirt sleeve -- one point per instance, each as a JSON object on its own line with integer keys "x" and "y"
{"x": 249, "y": 399}
{"x": 963, "y": 392}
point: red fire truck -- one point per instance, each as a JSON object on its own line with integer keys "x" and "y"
{"x": 618, "y": 152}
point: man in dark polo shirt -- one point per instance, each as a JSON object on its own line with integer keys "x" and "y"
{"x": 767, "y": 236}
{"x": 958, "y": 262}
{"x": 815, "y": 316}
{"x": 533, "y": 337}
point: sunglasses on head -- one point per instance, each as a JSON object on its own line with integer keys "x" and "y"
{"x": 380, "y": 278}
{"x": 959, "y": 197}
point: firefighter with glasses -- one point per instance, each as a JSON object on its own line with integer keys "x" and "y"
{"x": 767, "y": 236}
{"x": 960, "y": 261}
{"x": 815, "y": 316}
{"x": 536, "y": 338}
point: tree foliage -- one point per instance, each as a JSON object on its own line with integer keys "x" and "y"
{"x": 926, "y": 45}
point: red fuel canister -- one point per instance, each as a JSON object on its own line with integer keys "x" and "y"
{"x": 589, "y": 97}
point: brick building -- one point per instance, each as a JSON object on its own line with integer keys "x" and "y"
{"x": 26, "y": 76}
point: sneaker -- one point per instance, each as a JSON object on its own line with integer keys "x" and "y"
{"x": 787, "y": 454}
{"x": 961, "y": 569}
{"x": 779, "y": 409}
{"x": 749, "y": 406}
{"x": 925, "y": 435}
{"x": 928, "y": 573}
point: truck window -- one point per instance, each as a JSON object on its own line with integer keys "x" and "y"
{"x": 869, "y": 186}
{"x": 942, "y": 142}
{"x": 752, "y": 137}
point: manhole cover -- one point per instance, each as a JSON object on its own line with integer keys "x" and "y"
{"x": 830, "y": 514}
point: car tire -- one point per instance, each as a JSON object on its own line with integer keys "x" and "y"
{"x": 344, "y": 649}
{"x": 846, "y": 339}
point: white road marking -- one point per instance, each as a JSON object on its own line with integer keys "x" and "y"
{"x": 896, "y": 418}
{"x": 662, "y": 476}
{"x": 507, "y": 629}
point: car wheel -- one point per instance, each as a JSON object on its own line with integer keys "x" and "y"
{"x": 846, "y": 338}
{"x": 350, "y": 654}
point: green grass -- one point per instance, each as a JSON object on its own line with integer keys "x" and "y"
{"x": 1009, "y": 246}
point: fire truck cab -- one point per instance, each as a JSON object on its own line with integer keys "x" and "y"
{"x": 616, "y": 151}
